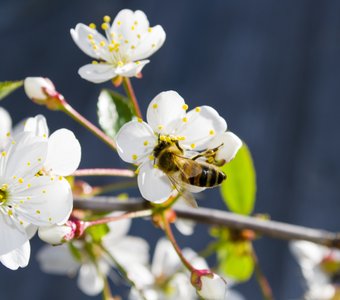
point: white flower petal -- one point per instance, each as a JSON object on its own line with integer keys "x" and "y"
{"x": 165, "y": 112}
{"x": 307, "y": 253}
{"x": 64, "y": 153}
{"x": 17, "y": 258}
{"x": 80, "y": 36}
{"x": 131, "y": 69}
{"x": 12, "y": 234}
{"x": 153, "y": 184}
{"x": 202, "y": 125}
{"x": 197, "y": 261}
{"x": 57, "y": 260}
{"x": 128, "y": 25}
{"x": 185, "y": 227}
{"x": 212, "y": 288}
{"x": 149, "y": 44}
{"x": 37, "y": 125}
{"x": 24, "y": 158}
{"x": 30, "y": 230}
{"x": 128, "y": 250}
{"x": 230, "y": 142}
{"x": 165, "y": 260}
{"x": 46, "y": 202}
{"x": 5, "y": 126}
{"x": 89, "y": 280}
{"x": 141, "y": 276}
{"x": 118, "y": 229}
{"x": 97, "y": 73}
{"x": 135, "y": 140}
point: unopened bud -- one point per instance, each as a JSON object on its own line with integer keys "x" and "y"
{"x": 42, "y": 91}
{"x": 56, "y": 234}
{"x": 209, "y": 285}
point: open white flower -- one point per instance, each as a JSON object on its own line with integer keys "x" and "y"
{"x": 321, "y": 269}
{"x": 26, "y": 198}
{"x": 124, "y": 48}
{"x": 200, "y": 129}
{"x": 75, "y": 257}
{"x": 167, "y": 279}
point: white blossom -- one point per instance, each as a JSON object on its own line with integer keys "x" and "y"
{"x": 124, "y": 49}
{"x": 27, "y": 198}
{"x": 199, "y": 129}
{"x": 167, "y": 278}
{"x": 126, "y": 250}
{"x": 320, "y": 267}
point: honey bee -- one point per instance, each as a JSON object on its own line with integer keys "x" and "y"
{"x": 187, "y": 174}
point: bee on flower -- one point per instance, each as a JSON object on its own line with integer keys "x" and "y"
{"x": 123, "y": 50}
{"x": 176, "y": 150}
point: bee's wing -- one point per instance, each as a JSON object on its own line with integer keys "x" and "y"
{"x": 180, "y": 186}
{"x": 188, "y": 167}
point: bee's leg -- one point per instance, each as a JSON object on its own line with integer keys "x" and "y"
{"x": 210, "y": 155}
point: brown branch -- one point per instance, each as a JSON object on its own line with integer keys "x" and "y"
{"x": 210, "y": 216}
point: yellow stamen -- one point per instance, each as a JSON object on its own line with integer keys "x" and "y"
{"x": 197, "y": 109}
{"x": 185, "y": 106}
{"x": 107, "y": 19}
{"x": 154, "y": 105}
{"x": 93, "y": 26}
{"x": 105, "y": 26}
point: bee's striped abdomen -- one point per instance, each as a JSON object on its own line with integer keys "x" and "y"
{"x": 209, "y": 177}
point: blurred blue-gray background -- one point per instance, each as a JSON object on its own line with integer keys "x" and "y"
{"x": 271, "y": 68}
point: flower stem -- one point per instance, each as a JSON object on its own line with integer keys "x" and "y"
{"x": 131, "y": 94}
{"x": 170, "y": 236}
{"x": 104, "y": 172}
{"x": 262, "y": 280}
{"x": 107, "y": 295}
{"x": 70, "y": 111}
{"x": 130, "y": 215}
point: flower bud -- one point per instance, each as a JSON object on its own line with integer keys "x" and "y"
{"x": 57, "y": 234}
{"x": 209, "y": 285}
{"x": 38, "y": 88}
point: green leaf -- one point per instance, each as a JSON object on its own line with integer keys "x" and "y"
{"x": 236, "y": 260}
{"x": 7, "y": 87}
{"x": 114, "y": 110}
{"x": 98, "y": 231}
{"x": 239, "y": 190}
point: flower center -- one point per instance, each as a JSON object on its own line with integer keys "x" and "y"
{"x": 3, "y": 194}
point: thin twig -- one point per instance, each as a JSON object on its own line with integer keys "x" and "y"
{"x": 216, "y": 217}
{"x": 104, "y": 172}
{"x": 131, "y": 94}
{"x": 262, "y": 280}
